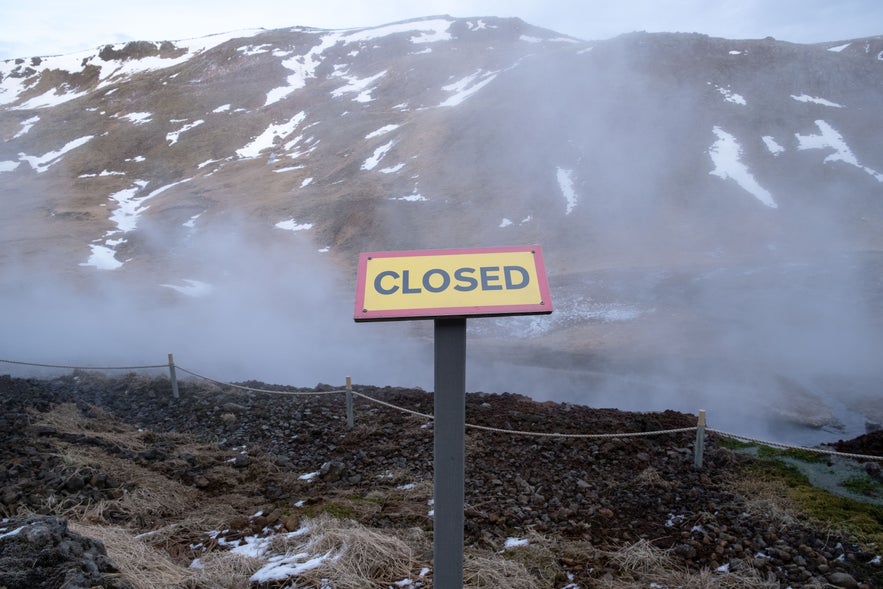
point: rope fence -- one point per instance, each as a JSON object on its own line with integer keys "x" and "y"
{"x": 700, "y": 428}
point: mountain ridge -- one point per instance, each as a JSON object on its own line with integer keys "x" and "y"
{"x": 693, "y": 195}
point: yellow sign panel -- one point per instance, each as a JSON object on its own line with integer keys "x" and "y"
{"x": 433, "y": 283}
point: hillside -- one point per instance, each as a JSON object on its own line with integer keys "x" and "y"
{"x": 710, "y": 209}
{"x": 226, "y": 485}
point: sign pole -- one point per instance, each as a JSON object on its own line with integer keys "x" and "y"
{"x": 448, "y": 286}
{"x": 449, "y": 451}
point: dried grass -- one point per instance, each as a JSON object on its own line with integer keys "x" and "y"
{"x": 767, "y": 500}
{"x": 148, "y": 567}
{"x": 642, "y": 564}
{"x": 641, "y": 558}
{"x": 492, "y": 571}
{"x": 650, "y": 477}
{"x": 362, "y": 557}
{"x": 68, "y": 418}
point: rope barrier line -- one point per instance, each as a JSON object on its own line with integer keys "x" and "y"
{"x": 560, "y": 435}
{"x": 790, "y": 447}
{"x": 254, "y": 390}
{"x": 391, "y": 406}
{"x": 468, "y": 425}
{"x": 85, "y": 367}
{"x": 523, "y": 433}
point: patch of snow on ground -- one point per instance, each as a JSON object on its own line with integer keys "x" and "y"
{"x": 191, "y": 288}
{"x": 102, "y": 257}
{"x": 815, "y": 100}
{"x": 427, "y": 31}
{"x": 466, "y": 87}
{"x": 839, "y": 48}
{"x": 306, "y": 182}
{"x": 255, "y": 49}
{"x": 565, "y": 183}
{"x": 130, "y": 207}
{"x": 26, "y": 126}
{"x": 771, "y": 144}
{"x": 191, "y": 222}
{"x": 411, "y": 198}
{"x": 391, "y": 169}
{"x": 280, "y": 568}
{"x": 102, "y": 173}
{"x": 292, "y": 225}
{"x": 504, "y": 223}
{"x": 731, "y": 96}
{"x": 52, "y": 97}
{"x": 514, "y": 542}
{"x": 362, "y": 87}
{"x": 725, "y": 154}
{"x": 381, "y": 131}
{"x": 268, "y": 138}
{"x": 44, "y": 162}
{"x": 302, "y": 67}
{"x": 830, "y": 138}
{"x": 139, "y": 118}
{"x": 8, "y": 166}
{"x": 371, "y": 162}
{"x": 173, "y": 136}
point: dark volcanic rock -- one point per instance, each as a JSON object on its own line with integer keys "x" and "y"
{"x": 295, "y": 449}
{"x": 40, "y": 552}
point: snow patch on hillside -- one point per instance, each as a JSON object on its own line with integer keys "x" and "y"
{"x": 172, "y": 137}
{"x": 371, "y": 162}
{"x": 381, "y": 131}
{"x": 304, "y": 66}
{"x": 772, "y": 145}
{"x": 43, "y": 162}
{"x": 726, "y": 155}
{"x": 731, "y": 96}
{"x": 565, "y": 183}
{"x": 139, "y": 118}
{"x": 191, "y": 288}
{"x": 467, "y": 86}
{"x": 269, "y": 136}
{"x": 26, "y": 126}
{"x": 815, "y": 100}
{"x": 292, "y": 225}
{"x": 362, "y": 87}
{"x": 830, "y": 138}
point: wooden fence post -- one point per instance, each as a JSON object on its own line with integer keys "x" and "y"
{"x": 700, "y": 440}
{"x": 172, "y": 376}
{"x": 349, "y": 403}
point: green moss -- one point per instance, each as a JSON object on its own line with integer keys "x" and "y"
{"x": 864, "y": 521}
{"x": 339, "y": 511}
{"x": 804, "y": 455}
{"x": 733, "y": 443}
{"x": 863, "y": 486}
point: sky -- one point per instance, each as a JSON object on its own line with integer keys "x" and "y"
{"x": 56, "y": 27}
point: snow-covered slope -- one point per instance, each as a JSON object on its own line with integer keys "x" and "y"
{"x": 708, "y": 207}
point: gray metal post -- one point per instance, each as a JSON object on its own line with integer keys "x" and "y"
{"x": 350, "y": 422}
{"x": 172, "y": 376}
{"x": 700, "y": 440}
{"x": 449, "y": 439}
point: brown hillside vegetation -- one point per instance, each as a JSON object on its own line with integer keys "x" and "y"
{"x": 178, "y": 490}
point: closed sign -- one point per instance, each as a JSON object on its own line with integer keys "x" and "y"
{"x": 422, "y": 284}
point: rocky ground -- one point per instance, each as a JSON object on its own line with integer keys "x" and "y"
{"x": 98, "y": 451}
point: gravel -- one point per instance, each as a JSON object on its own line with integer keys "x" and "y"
{"x": 293, "y": 450}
